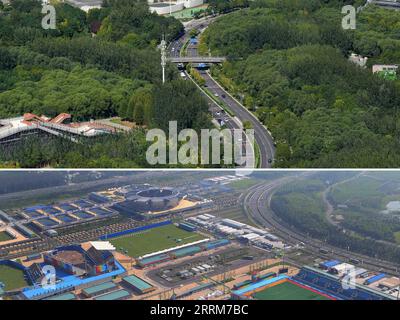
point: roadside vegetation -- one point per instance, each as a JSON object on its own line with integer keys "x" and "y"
{"x": 300, "y": 205}
{"x": 289, "y": 62}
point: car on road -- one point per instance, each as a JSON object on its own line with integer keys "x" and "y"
{"x": 216, "y": 94}
{"x": 223, "y": 96}
{"x": 269, "y": 160}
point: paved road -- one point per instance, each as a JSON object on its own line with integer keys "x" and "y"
{"x": 218, "y": 113}
{"x": 262, "y": 136}
{"x": 256, "y": 204}
{"x": 387, "y": 4}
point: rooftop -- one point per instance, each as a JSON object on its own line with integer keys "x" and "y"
{"x": 137, "y": 282}
{"x": 99, "y": 288}
{"x": 120, "y": 294}
{"x": 65, "y": 296}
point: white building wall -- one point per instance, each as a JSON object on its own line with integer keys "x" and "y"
{"x": 193, "y": 3}
{"x": 167, "y": 9}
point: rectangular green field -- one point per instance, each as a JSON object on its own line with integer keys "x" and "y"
{"x": 12, "y": 278}
{"x": 4, "y": 236}
{"x": 288, "y": 291}
{"x": 152, "y": 240}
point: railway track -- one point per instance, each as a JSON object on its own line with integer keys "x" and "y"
{"x": 16, "y": 250}
{"x": 256, "y": 204}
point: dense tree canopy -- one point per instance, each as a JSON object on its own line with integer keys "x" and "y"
{"x": 289, "y": 59}
{"x": 300, "y": 206}
{"x": 94, "y": 65}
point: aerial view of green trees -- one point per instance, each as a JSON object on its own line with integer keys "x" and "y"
{"x": 299, "y": 205}
{"x": 288, "y": 61}
{"x": 94, "y": 65}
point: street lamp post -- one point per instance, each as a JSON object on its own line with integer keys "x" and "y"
{"x": 163, "y": 57}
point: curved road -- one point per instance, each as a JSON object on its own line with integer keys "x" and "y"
{"x": 262, "y": 136}
{"x": 256, "y": 203}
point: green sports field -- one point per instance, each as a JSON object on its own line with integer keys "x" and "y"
{"x": 4, "y": 236}
{"x": 287, "y": 291}
{"x": 12, "y": 278}
{"x": 138, "y": 244}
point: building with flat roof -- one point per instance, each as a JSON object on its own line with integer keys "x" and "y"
{"x": 384, "y": 67}
{"x": 64, "y": 297}
{"x": 341, "y": 268}
{"x": 166, "y": 7}
{"x": 115, "y": 295}
{"x": 99, "y": 289}
{"x": 137, "y": 284}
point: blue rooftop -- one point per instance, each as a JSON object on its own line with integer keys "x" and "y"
{"x": 331, "y": 263}
{"x": 69, "y": 282}
{"x": 259, "y": 284}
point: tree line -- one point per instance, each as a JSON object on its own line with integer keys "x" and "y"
{"x": 288, "y": 62}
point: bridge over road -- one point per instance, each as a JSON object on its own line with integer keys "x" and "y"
{"x": 196, "y": 59}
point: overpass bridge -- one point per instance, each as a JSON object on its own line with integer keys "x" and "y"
{"x": 15, "y": 134}
{"x": 196, "y": 59}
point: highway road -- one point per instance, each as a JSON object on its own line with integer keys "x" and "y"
{"x": 256, "y": 203}
{"x": 386, "y": 4}
{"x": 262, "y": 136}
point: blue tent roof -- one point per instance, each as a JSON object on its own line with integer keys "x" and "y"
{"x": 331, "y": 263}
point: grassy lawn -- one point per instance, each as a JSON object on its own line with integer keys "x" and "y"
{"x": 288, "y": 291}
{"x": 397, "y": 237}
{"x": 359, "y": 188}
{"x": 12, "y": 278}
{"x": 138, "y": 244}
{"x": 311, "y": 203}
{"x": 4, "y": 236}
